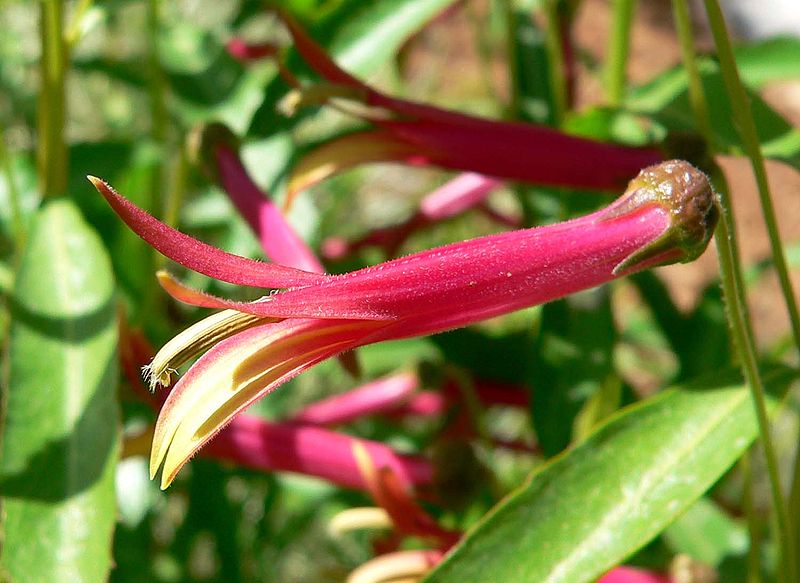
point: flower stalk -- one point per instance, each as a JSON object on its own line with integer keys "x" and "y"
{"x": 252, "y": 442}
{"x": 740, "y": 104}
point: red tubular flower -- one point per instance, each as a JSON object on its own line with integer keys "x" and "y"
{"x": 666, "y": 215}
{"x": 459, "y": 194}
{"x": 420, "y": 134}
{"x": 396, "y": 395}
{"x": 389, "y": 492}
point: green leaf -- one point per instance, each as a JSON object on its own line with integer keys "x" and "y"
{"x": 532, "y": 76}
{"x": 485, "y": 354}
{"x": 700, "y": 339}
{"x": 589, "y": 509}
{"x": 707, "y": 534}
{"x": 60, "y": 438}
{"x": 775, "y": 59}
{"x": 374, "y": 34}
{"x": 666, "y": 101}
{"x": 570, "y": 362}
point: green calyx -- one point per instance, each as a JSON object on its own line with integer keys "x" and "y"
{"x": 686, "y": 193}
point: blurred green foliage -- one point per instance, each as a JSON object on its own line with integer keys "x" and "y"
{"x": 142, "y": 74}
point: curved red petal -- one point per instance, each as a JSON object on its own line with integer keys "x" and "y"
{"x": 199, "y": 256}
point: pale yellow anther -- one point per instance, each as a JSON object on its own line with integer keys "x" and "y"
{"x": 195, "y": 340}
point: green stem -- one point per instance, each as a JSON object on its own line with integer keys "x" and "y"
{"x": 743, "y": 119}
{"x": 17, "y": 219}
{"x": 741, "y": 329}
{"x": 52, "y": 153}
{"x": 483, "y": 46}
{"x": 177, "y": 191}
{"x": 512, "y": 59}
{"x": 697, "y": 99}
{"x": 735, "y": 299}
{"x": 153, "y": 301}
{"x": 794, "y": 501}
{"x": 555, "y": 53}
{"x": 157, "y": 90}
{"x": 753, "y": 526}
{"x": 472, "y": 403}
{"x": 619, "y": 46}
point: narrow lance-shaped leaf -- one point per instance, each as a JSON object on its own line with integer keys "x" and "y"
{"x": 591, "y": 508}
{"x": 60, "y": 437}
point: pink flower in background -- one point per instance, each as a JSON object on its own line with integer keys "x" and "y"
{"x": 666, "y": 215}
{"x": 255, "y": 443}
{"x": 218, "y": 152}
{"x": 379, "y": 396}
{"x": 626, "y": 574}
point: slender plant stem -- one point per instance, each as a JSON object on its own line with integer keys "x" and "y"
{"x": 177, "y": 190}
{"x": 565, "y": 11}
{"x": 512, "y": 59}
{"x": 750, "y": 140}
{"x": 697, "y": 98}
{"x": 736, "y": 300}
{"x": 469, "y": 397}
{"x": 157, "y": 89}
{"x": 753, "y": 527}
{"x": 153, "y": 301}
{"x": 555, "y": 43}
{"x": 746, "y": 125}
{"x": 618, "y": 48}
{"x": 739, "y": 320}
{"x": 794, "y": 502}
{"x": 484, "y": 47}
{"x": 157, "y": 92}
{"x": 17, "y": 220}
{"x": 52, "y": 152}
